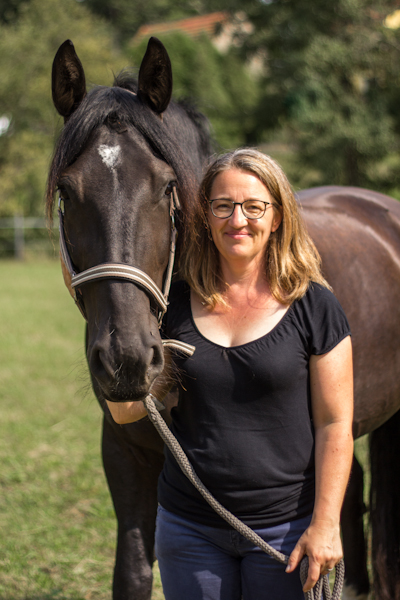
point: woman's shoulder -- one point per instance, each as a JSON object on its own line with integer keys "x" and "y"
{"x": 322, "y": 318}
{"x": 319, "y": 295}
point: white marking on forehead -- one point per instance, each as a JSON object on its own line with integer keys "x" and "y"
{"x": 110, "y": 155}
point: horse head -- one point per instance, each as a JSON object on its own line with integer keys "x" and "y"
{"x": 121, "y": 156}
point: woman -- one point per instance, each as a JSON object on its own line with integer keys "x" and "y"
{"x": 265, "y": 404}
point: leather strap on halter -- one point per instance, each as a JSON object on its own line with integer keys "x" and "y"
{"x": 120, "y": 271}
{"x": 74, "y": 280}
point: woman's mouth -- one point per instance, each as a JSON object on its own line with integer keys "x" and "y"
{"x": 237, "y": 235}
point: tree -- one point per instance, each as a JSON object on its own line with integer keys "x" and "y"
{"x": 127, "y": 16}
{"x": 27, "y": 49}
{"x": 331, "y": 84}
{"x": 215, "y": 81}
{"x": 220, "y": 85}
{"x": 9, "y": 10}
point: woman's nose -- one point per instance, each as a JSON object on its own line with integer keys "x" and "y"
{"x": 237, "y": 218}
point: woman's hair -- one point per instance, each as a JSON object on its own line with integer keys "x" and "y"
{"x": 291, "y": 260}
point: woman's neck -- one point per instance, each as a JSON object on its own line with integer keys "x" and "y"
{"x": 249, "y": 313}
{"x": 244, "y": 281}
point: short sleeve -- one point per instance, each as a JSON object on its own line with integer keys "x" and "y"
{"x": 324, "y": 318}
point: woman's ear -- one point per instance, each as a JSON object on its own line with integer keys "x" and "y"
{"x": 208, "y": 228}
{"x": 277, "y": 219}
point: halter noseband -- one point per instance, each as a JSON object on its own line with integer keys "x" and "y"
{"x": 74, "y": 280}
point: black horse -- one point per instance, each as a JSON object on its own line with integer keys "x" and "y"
{"x": 121, "y": 153}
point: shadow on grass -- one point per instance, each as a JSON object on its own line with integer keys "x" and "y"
{"x": 54, "y": 595}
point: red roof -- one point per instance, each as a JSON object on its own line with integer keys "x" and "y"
{"x": 193, "y": 26}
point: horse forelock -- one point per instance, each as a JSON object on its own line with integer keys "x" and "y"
{"x": 126, "y": 80}
{"x": 105, "y": 105}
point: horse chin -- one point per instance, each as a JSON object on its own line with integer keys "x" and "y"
{"x": 121, "y": 394}
{"x": 141, "y": 399}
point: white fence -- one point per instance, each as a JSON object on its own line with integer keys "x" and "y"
{"x": 19, "y": 225}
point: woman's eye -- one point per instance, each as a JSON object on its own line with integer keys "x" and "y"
{"x": 222, "y": 205}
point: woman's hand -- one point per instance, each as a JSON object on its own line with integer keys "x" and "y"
{"x": 126, "y": 412}
{"x": 322, "y": 544}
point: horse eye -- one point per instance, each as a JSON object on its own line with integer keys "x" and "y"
{"x": 62, "y": 197}
{"x": 62, "y": 193}
{"x": 169, "y": 188}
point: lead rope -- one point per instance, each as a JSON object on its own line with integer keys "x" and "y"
{"x": 322, "y": 586}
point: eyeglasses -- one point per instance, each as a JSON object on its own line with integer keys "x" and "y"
{"x": 252, "y": 209}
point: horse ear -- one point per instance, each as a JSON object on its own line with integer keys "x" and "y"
{"x": 67, "y": 80}
{"x": 155, "y": 77}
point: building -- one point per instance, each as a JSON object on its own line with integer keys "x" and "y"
{"x": 219, "y": 26}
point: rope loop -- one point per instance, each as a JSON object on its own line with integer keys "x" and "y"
{"x": 322, "y": 588}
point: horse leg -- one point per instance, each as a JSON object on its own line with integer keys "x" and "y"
{"x": 132, "y": 474}
{"x": 356, "y": 586}
{"x": 385, "y": 508}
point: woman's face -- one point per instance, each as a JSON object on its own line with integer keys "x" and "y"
{"x": 237, "y": 238}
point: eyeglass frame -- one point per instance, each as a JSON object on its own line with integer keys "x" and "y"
{"x": 241, "y": 206}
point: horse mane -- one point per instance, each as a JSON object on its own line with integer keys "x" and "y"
{"x": 118, "y": 107}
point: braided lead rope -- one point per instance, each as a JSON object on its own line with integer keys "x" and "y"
{"x": 187, "y": 468}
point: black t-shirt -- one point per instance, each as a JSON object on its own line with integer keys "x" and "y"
{"x": 244, "y": 414}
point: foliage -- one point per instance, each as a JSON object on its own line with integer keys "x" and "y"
{"x": 328, "y": 98}
{"x": 9, "y": 10}
{"x": 331, "y": 85}
{"x": 127, "y": 16}
{"x": 219, "y": 84}
{"x": 25, "y": 91}
{"x": 213, "y": 80}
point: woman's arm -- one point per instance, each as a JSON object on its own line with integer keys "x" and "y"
{"x": 129, "y": 412}
{"x": 331, "y": 377}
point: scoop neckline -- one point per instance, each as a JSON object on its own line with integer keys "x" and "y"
{"x": 288, "y": 312}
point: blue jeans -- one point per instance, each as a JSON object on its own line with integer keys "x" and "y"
{"x": 198, "y": 562}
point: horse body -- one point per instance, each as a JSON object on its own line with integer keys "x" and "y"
{"x": 121, "y": 150}
{"x": 357, "y": 233}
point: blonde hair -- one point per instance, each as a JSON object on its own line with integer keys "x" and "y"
{"x": 291, "y": 259}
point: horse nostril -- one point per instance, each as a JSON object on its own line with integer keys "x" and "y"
{"x": 126, "y": 368}
{"x": 157, "y": 361}
{"x": 100, "y": 365}
{"x": 106, "y": 364}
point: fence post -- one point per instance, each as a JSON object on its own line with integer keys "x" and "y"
{"x": 19, "y": 241}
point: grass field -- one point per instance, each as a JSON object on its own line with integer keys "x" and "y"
{"x": 57, "y": 522}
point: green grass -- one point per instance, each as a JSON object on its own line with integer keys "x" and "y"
{"x": 57, "y": 522}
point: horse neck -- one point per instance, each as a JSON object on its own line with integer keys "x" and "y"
{"x": 193, "y": 138}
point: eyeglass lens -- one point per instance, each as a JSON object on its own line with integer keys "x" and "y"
{"x": 252, "y": 209}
